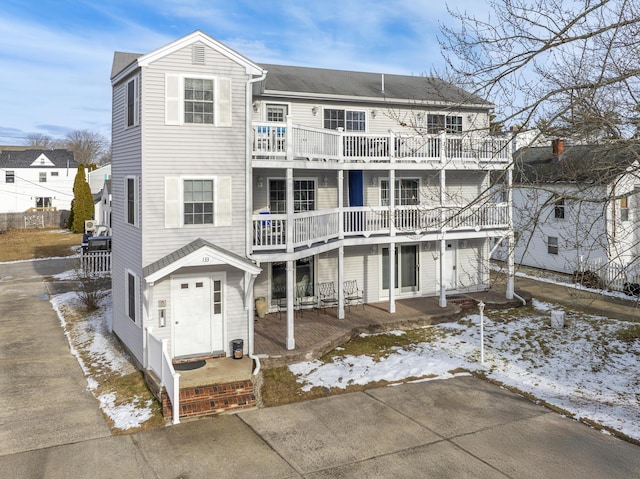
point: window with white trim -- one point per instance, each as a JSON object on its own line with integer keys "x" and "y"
{"x": 197, "y": 100}
{"x": 624, "y": 209}
{"x": 132, "y": 286}
{"x": 438, "y": 123}
{"x": 131, "y": 195}
{"x": 558, "y": 209}
{"x": 42, "y": 178}
{"x": 43, "y": 202}
{"x": 131, "y": 116}
{"x": 304, "y": 196}
{"x": 198, "y": 202}
{"x": 193, "y": 201}
{"x": 552, "y": 245}
{"x": 407, "y": 192}
{"x": 276, "y": 112}
{"x": 10, "y": 176}
{"x": 349, "y": 120}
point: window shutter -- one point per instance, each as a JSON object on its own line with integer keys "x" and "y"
{"x": 173, "y": 98}
{"x": 172, "y": 202}
{"x": 224, "y": 102}
{"x": 223, "y": 199}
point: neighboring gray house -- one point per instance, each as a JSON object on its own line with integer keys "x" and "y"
{"x": 576, "y": 208}
{"x": 35, "y": 179}
{"x": 233, "y": 180}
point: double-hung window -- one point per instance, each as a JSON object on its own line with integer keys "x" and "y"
{"x": 624, "y": 209}
{"x": 304, "y": 196}
{"x": 131, "y": 194}
{"x": 552, "y": 245}
{"x": 10, "y": 176}
{"x": 132, "y": 296}
{"x": 438, "y": 123}
{"x": 198, "y": 100}
{"x": 132, "y": 103}
{"x": 407, "y": 192}
{"x": 42, "y": 177}
{"x": 558, "y": 209}
{"x": 198, "y": 202}
{"x": 349, "y": 120}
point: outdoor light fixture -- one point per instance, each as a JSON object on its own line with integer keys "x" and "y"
{"x": 314, "y": 110}
{"x": 374, "y": 113}
{"x": 325, "y": 181}
{"x": 256, "y": 106}
{"x": 259, "y": 182}
{"x": 373, "y": 181}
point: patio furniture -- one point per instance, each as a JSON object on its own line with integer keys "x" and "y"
{"x": 328, "y": 296}
{"x": 353, "y": 294}
{"x": 280, "y": 299}
{"x": 305, "y": 299}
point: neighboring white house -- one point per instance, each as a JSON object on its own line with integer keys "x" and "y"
{"x": 234, "y": 180}
{"x": 97, "y": 177}
{"x": 576, "y": 207}
{"x": 35, "y": 179}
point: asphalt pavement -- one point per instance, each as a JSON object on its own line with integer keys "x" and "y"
{"x": 51, "y": 427}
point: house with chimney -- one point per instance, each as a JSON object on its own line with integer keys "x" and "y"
{"x": 577, "y": 208}
{"x": 236, "y": 183}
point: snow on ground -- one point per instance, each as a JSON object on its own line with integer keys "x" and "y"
{"x": 581, "y": 368}
{"x": 95, "y": 348}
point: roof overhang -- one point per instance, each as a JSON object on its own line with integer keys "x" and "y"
{"x": 204, "y": 254}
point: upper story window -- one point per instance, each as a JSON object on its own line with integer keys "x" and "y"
{"x": 624, "y": 209}
{"x": 198, "y": 202}
{"x": 558, "y": 209}
{"x": 552, "y": 245}
{"x": 9, "y": 176}
{"x": 304, "y": 196}
{"x": 42, "y": 177}
{"x": 198, "y": 100}
{"x": 346, "y": 119}
{"x": 131, "y": 193}
{"x": 132, "y": 103}
{"x": 407, "y": 192}
{"x": 276, "y": 112}
{"x": 438, "y": 123}
{"x": 54, "y": 173}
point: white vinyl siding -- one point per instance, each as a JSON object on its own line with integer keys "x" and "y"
{"x": 174, "y": 201}
{"x": 175, "y": 112}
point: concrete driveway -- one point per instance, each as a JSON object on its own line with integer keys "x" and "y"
{"x": 51, "y": 427}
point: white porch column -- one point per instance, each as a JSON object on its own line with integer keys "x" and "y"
{"x": 291, "y": 342}
{"x": 392, "y": 278}
{"x": 340, "y": 282}
{"x": 289, "y": 230}
{"x": 443, "y": 218}
{"x": 340, "y": 204}
{"x": 511, "y": 243}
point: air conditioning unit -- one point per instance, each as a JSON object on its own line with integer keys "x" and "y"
{"x": 89, "y": 226}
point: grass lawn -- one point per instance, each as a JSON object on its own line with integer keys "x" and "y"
{"x": 37, "y": 243}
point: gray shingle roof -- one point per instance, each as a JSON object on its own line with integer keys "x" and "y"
{"x": 281, "y": 78}
{"x": 592, "y": 164}
{"x": 23, "y": 159}
{"x": 122, "y": 60}
{"x": 192, "y": 247}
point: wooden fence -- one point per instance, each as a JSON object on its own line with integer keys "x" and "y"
{"x": 33, "y": 219}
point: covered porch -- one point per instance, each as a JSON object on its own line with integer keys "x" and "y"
{"x": 319, "y": 331}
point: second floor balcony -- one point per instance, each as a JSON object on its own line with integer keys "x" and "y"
{"x": 286, "y": 141}
{"x": 274, "y": 232}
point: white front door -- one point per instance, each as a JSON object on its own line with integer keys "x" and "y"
{"x": 451, "y": 264}
{"x": 197, "y": 315}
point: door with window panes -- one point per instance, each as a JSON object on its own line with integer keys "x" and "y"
{"x": 406, "y": 269}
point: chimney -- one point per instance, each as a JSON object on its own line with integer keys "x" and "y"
{"x": 557, "y": 147}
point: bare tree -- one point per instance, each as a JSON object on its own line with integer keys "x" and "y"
{"x": 88, "y": 146}
{"x": 571, "y": 70}
{"x": 41, "y": 141}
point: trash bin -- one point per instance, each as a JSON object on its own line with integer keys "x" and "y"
{"x": 236, "y": 348}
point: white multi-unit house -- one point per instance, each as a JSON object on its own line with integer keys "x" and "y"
{"x": 233, "y": 180}
{"x": 36, "y": 179}
{"x": 576, "y": 208}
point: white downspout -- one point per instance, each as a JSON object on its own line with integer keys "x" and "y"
{"x": 249, "y": 214}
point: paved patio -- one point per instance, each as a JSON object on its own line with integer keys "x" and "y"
{"x": 319, "y": 331}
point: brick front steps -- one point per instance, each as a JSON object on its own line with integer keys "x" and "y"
{"x": 207, "y": 400}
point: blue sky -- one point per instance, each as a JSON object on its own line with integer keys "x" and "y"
{"x": 55, "y": 56}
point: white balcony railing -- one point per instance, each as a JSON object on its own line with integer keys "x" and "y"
{"x": 310, "y": 227}
{"x": 287, "y": 141}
